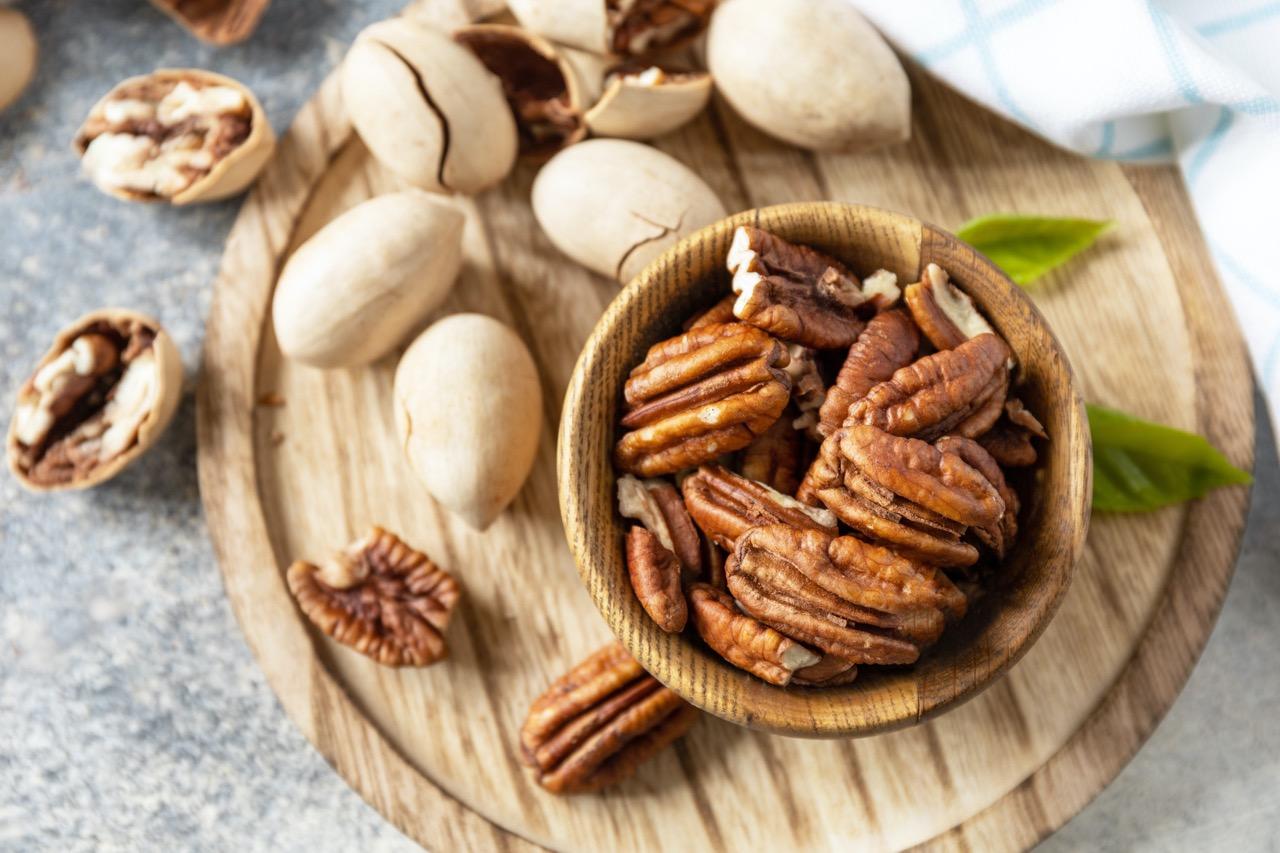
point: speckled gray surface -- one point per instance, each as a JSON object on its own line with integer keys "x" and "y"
{"x": 132, "y": 715}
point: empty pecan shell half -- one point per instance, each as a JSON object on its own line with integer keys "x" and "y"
{"x": 597, "y": 723}
{"x": 706, "y": 392}
{"x": 945, "y": 314}
{"x": 937, "y": 393}
{"x": 380, "y": 597}
{"x": 889, "y": 342}
{"x": 655, "y": 578}
{"x": 743, "y": 641}
{"x": 794, "y": 292}
{"x": 659, "y": 507}
{"x": 726, "y": 505}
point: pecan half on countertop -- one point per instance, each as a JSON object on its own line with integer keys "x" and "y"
{"x": 380, "y": 597}
{"x": 726, "y": 505}
{"x": 706, "y": 392}
{"x": 597, "y": 723}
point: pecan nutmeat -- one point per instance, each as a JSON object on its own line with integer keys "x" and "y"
{"x": 999, "y": 536}
{"x": 889, "y": 342}
{"x": 721, "y": 312}
{"x": 655, "y": 579}
{"x": 597, "y": 723}
{"x": 725, "y": 505}
{"x": 829, "y": 671}
{"x": 701, "y": 394}
{"x": 659, "y": 507}
{"x": 808, "y": 390}
{"x": 775, "y": 457}
{"x": 380, "y": 597}
{"x": 743, "y": 641}
{"x": 945, "y": 314}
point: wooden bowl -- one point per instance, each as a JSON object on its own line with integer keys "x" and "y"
{"x": 998, "y": 629}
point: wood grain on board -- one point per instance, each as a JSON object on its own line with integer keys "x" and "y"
{"x": 1141, "y": 317}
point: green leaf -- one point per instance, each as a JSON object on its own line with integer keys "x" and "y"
{"x": 1027, "y": 247}
{"x": 1138, "y": 465}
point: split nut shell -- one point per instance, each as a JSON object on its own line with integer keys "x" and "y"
{"x": 99, "y": 399}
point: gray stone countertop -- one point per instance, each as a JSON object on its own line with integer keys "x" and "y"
{"x": 132, "y": 715}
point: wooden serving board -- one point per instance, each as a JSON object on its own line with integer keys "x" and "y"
{"x": 1141, "y": 316}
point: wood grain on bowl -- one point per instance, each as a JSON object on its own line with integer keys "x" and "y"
{"x": 1142, "y": 317}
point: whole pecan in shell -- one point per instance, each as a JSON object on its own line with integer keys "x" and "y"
{"x": 655, "y": 578}
{"x": 725, "y": 505}
{"x": 743, "y": 641}
{"x": 889, "y": 342}
{"x": 928, "y": 398}
{"x": 794, "y": 292}
{"x": 701, "y": 394}
{"x": 945, "y": 314}
{"x": 597, "y": 723}
{"x": 380, "y": 597}
{"x": 1000, "y": 535}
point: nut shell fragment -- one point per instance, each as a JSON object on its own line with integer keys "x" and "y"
{"x": 99, "y": 398}
{"x": 642, "y": 104}
{"x": 613, "y": 205}
{"x": 180, "y": 135}
{"x": 380, "y": 597}
{"x": 598, "y": 722}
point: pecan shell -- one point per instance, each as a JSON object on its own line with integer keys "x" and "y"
{"x": 743, "y": 641}
{"x": 794, "y": 292}
{"x": 597, "y": 723}
{"x": 889, "y": 342}
{"x": 725, "y": 505}
{"x": 655, "y": 578}
{"x": 701, "y": 394}
{"x": 380, "y": 597}
{"x": 928, "y": 398}
{"x": 945, "y": 314}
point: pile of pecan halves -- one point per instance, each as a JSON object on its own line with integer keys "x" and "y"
{"x": 810, "y": 526}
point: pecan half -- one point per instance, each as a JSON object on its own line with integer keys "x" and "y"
{"x": 808, "y": 390}
{"x": 725, "y": 506}
{"x": 999, "y": 536}
{"x": 784, "y": 577}
{"x": 597, "y": 723}
{"x": 797, "y": 293}
{"x": 1019, "y": 415}
{"x": 1009, "y": 445}
{"x": 830, "y": 671}
{"x": 706, "y": 392}
{"x": 714, "y": 558}
{"x": 878, "y": 513}
{"x": 889, "y": 342}
{"x": 945, "y": 314}
{"x": 659, "y": 507}
{"x": 775, "y": 457}
{"x": 380, "y": 597}
{"x": 655, "y": 579}
{"x": 721, "y": 312}
{"x": 744, "y": 642}
{"x": 930, "y": 397}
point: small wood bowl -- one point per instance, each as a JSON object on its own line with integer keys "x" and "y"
{"x": 999, "y": 627}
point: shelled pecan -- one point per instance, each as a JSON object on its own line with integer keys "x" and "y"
{"x": 889, "y": 342}
{"x": 659, "y": 507}
{"x": 380, "y": 597}
{"x": 945, "y": 314}
{"x": 938, "y": 393}
{"x": 725, "y": 505}
{"x": 794, "y": 292}
{"x": 999, "y": 536}
{"x": 655, "y": 578}
{"x": 808, "y": 390}
{"x": 829, "y": 671}
{"x": 775, "y": 457}
{"x": 1019, "y": 415}
{"x": 743, "y": 641}
{"x": 706, "y": 392}
{"x": 721, "y": 312}
{"x": 597, "y": 723}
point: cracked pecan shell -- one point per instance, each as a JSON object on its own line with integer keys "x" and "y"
{"x": 655, "y": 579}
{"x": 930, "y": 397}
{"x": 701, "y": 394}
{"x": 725, "y": 505}
{"x": 597, "y": 723}
{"x": 743, "y": 641}
{"x": 380, "y": 597}
{"x": 945, "y": 314}
{"x": 775, "y": 457}
{"x": 659, "y": 507}
{"x": 794, "y": 292}
{"x": 999, "y": 536}
{"x": 888, "y": 343}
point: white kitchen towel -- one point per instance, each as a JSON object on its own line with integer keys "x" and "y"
{"x": 1193, "y": 81}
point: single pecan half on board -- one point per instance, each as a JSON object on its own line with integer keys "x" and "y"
{"x": 659, "y": 507}
{"x": 937, "y": 394}
{"x": 1000, "y": 535}
{"x": 794, "y": 292}
{"x": 380, "y": 597}
{"x": 726, "y": 505}
{"x": 888, "y": 343}
{"x": 743, "y": 641}
{"x": 775, "y": 457}
{"x": 703, "y": 393}
{"x": 599, "y": 722}
{"x": 875, "y": 511}
{"x": 784, "y": 577}
{"x": 655, "y": 578}
{"x": 945, "y": 314}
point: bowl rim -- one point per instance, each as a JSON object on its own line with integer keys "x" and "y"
{"x": 653, "y": 649}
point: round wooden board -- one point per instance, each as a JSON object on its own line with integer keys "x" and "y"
{"x": 1142, "y": 317}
